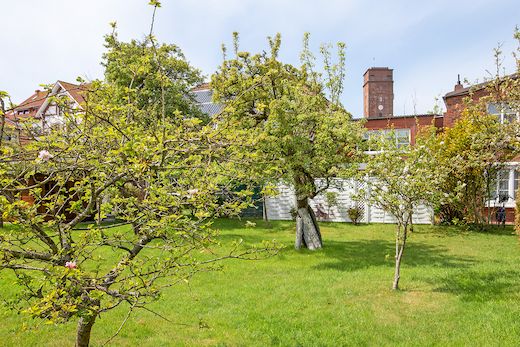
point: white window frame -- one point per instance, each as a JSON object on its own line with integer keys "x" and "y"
{"x": 503, "y": 115}
{"x": 387, "y": 131}
{"x": 511, "y": 168}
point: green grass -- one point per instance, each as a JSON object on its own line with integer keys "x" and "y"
{"x": 458, "y": 288}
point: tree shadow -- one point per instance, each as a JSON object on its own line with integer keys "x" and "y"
{"x": 480, "y": 286}
{"x": 356, "y": 255}
{"x": 259, "y": 224}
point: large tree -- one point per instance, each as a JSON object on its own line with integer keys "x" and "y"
{"x": 158, "y": 169}
{"x": 292, "y": 119}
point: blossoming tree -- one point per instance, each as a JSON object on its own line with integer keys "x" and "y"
{"x": 398, "y": 180}
{"x": 130, "y": 153}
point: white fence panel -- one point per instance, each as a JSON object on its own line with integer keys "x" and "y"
{"x": 279, "y": 207}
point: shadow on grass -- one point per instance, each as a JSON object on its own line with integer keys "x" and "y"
{"x": 241, "y": 224}
{"x": 481, "y": 285}
{"x": 351, "y": 255}
{"x": 355, "y": 255}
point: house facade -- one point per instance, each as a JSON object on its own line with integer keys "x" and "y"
{"x": 505, "y": 186}
{"x": 43, "y": 112}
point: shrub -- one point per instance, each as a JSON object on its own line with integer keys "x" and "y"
{"x": 355, "y": 213}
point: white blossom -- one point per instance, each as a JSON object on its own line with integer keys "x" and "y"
{"x": 44, "y": 155}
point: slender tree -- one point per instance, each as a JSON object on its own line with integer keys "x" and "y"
{"x": 398, "y": 179}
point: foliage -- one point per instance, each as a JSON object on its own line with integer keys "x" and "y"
{"x": 355, "y": 213}
{"x": 158, "y": 169}
{"x": 292, "y": 119}
{"x": 130, "y": 65}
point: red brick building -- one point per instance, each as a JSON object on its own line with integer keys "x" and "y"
{"x": 505, "y": 187}
{"x": 378, "y": 99}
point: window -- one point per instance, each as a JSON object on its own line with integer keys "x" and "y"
{"x": 504, "y": 185}
{"x": 504, "y": 113}
{"x": 401, "y": 136}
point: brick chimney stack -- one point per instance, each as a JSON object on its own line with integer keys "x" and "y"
{"x": 378, "y": 93}
{"x": 459, "y": 85}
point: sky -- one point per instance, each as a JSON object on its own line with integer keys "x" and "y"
{"x": 426, "y": 43}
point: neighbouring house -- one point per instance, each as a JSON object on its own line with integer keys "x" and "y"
{"x": 505, "y": 186}
{"x": 38, "y": 114}
{"x": 43, "y": 112}
{"x": 378, "y": 116}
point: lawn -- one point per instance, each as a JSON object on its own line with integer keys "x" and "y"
{"x": 457, "y": 288}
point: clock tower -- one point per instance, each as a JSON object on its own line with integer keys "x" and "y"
{"x": 378, "y": 93}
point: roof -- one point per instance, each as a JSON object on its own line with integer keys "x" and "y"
{"x": 29, "y": 107}
{"x": 33, "y": 105}
{"x": 204, "y": 98}
{"x": 77, "y": 91}
{"x": 203, "y": 86}
{"x": 475, "y": 87}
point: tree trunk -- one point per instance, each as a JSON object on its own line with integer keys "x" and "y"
{"x": 400, "y": 243}
{"x": 307, "y": 229}
{"x": 83, "y": 331}
{"x": 264, "y": 210}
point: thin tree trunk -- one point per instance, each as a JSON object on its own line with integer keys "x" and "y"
{"x": 83, "y": 331}
{"x": 307, "y": 230}
{"x": 399, "y": 250}
{"x": 264, "y": 209}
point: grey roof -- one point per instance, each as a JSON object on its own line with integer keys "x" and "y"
{"x": 206, "y": 105}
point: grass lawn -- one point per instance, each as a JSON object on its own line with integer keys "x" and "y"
{"x": 458, "y": 288}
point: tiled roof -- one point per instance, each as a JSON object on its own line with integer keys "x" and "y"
{"x": 203, "y": 86}
{"x": 203, "y": 97}
{"x": 29, "y": 107}
{"x": 76, "y": 91}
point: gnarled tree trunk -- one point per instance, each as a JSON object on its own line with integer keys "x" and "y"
{"x": 307, "y": 229}
{"x": 83, "y": 330}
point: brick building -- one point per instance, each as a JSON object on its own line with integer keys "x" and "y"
{"x": 504, "y": 189}
{"x": 378, "y": 100}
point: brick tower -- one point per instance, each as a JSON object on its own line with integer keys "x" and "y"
{"x": 378, "y": 93}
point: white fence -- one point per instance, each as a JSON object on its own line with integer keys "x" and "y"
{"x": 280, "y": 206}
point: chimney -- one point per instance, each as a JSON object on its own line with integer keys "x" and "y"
{"x": 459, "y": 85}
{"x": 378, "y": 93}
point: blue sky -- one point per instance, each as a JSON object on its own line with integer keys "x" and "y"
{"x": 427, "y": 43}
